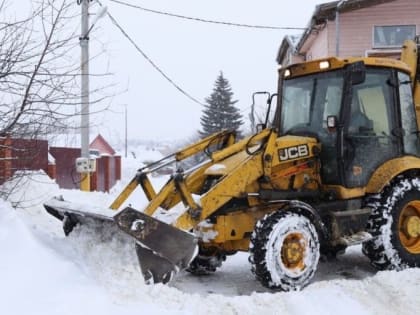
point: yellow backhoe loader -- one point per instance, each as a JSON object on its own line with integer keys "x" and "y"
{"x": 336, "y": 163}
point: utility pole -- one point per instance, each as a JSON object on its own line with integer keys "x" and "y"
{"x": 125, "y": 130}
{"x": 84, "y": 132}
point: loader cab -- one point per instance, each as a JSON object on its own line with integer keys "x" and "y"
{"x": 361, "y": 111}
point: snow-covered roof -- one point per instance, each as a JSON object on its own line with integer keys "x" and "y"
{"x": 294, "y": 39}
{"x": 288, "y": 43}
{"x": 100, "y": 144}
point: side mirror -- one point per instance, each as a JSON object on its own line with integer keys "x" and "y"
{"x": 357, "y": 72}
{"x": 252, "y": 114}
{"x": 331, "y": 123}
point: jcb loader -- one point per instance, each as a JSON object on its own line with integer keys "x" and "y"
{"x": 337, "y": 163}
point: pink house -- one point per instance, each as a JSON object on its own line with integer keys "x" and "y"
{"x": 354, "y": 28}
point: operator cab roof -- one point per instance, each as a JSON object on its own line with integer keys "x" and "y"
{"x": 333, "y": 63}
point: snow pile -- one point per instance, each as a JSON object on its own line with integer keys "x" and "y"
{"x": 28, "y": 189}
{"x": 38, "y": 278}
{"x": 95, "y": 271}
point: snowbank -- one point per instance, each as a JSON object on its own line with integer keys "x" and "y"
{"x": 37, "y": 279}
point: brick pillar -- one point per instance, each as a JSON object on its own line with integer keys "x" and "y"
{"x": 52, "y": 170}
{"x": 8, "y": 154}
{"x": 2, "y": 155}
{"x": 107, "y": 170}
{"x": 94, "y": 181}
{"x": 117, "y": 164}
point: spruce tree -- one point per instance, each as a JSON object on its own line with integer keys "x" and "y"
{"x": 220, "y": 111}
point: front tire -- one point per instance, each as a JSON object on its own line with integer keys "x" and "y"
{"x": 206, "y": 262}
{"x": 284, "y": 251}
{"x": 395, "y": 226}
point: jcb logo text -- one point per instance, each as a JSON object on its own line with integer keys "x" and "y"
{"x": 293, "y": 152}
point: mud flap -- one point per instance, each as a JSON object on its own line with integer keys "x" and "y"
{"x": 162, "y": 249}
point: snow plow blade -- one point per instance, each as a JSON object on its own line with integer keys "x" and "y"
{"x": 162, "y": 249}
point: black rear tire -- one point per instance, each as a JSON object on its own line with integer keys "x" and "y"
{"x": 395, "y": 245}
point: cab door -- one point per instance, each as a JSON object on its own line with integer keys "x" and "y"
{"x": 370, "y": 128}
{"x": 409, "y": 131}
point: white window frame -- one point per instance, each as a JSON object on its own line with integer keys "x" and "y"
{"x": 395, "y": 26}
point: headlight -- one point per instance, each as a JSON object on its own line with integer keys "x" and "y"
{"x": 324, "y": 65}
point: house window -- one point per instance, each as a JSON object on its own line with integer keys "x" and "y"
{"x": 392, "y": 36}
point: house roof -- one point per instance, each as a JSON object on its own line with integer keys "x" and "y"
{"x": 289, "y": 41}
{"x": 327, "y": 11}
{"x": 100, "y": 144}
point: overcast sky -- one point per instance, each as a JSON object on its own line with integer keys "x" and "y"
{"x": 192, "y": 54}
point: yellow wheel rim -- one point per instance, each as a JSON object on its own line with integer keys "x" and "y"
{"x": 409, "y": 227}
{"x": 293, "y": 251}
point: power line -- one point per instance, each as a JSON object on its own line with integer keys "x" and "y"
{"x": 114, "y": 21}
{"x": 206, "y": 20}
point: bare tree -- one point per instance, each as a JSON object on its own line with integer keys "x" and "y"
{"x": 39, "y": 76}
{"x": 40, "y": 71}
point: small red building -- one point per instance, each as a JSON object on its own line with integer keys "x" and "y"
{"x": 108, "y": 165}
{"x": 100, "y": 144}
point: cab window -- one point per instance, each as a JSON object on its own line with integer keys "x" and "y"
{"x": 408, "y": 115}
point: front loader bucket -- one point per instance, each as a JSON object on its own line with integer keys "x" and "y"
{"x": 162, "y": 249}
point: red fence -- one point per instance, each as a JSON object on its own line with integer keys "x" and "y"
{"x": 108, "y": 172}
{"x": 22, "y": 154}
{"x": 65, "y": 172}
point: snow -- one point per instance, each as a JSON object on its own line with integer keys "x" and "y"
{"x": 205, "y": 232}
{"x": 170, "y": 216}
{"x": 399, "y": 191}
{"x": 288, "y": 225}
{"x": 96, "y": 271}
{"x": 216, "y": 168}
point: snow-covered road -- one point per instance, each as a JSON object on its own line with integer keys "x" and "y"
{"x": 42, "y": 272}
